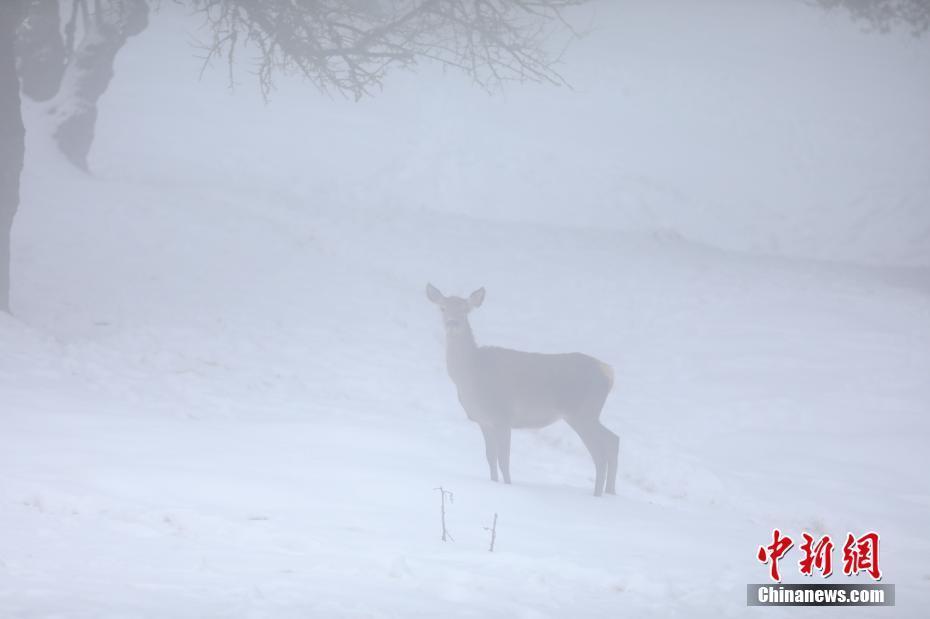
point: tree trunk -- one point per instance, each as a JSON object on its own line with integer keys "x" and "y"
{"x": 12, "y": 139}
{"x": 107, "y": 25}
{"x": 40, "y": 50}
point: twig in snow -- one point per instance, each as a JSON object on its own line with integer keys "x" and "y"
{"x": 443, "y": 493}
{"x": 493, "y": 530}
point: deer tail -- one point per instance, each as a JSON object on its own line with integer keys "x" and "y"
{"x": 608, "y": 373}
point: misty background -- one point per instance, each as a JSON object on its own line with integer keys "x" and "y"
{"x": 223, "y": 391}
{"x": 803, "y": 134}
{"x": 800, "y": 127}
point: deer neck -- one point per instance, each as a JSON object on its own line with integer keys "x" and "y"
{"x": 461, "y": 352}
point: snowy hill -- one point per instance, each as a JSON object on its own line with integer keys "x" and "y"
{"x": 224, "y": 392}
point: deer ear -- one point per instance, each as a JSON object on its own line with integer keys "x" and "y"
{"x": 476, "y": 298}
{"x": 433, "y": 294}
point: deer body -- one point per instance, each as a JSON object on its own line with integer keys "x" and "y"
{"x": 501, "y": 389}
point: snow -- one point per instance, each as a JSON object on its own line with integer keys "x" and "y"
{"x": 224, "y": 394}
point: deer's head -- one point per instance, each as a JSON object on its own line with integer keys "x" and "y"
{"x": 454, "y": 309}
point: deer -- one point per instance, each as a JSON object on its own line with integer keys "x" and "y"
{"x": 503, "y": 389}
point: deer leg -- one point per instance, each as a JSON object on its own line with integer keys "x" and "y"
{"x": 490, "y": 450}
{"x": 613, "y": 453}
{"x": 592, "y": 439}
{"x": 503, "y": 452}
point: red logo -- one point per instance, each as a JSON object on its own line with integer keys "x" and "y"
{"x": 773, "y": 552}
{"x": 859, "y": 555}
{"x": 819, "y": 556}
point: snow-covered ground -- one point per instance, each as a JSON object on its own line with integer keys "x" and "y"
{"x": 224, "y": 393}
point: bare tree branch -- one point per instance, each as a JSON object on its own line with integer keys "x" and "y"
{"x": 886, "y": 15}
{"x": 348, "y": 46}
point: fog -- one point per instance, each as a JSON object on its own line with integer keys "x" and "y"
{"x": 260, "y": 355}
{"x": 800, "y": 130}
